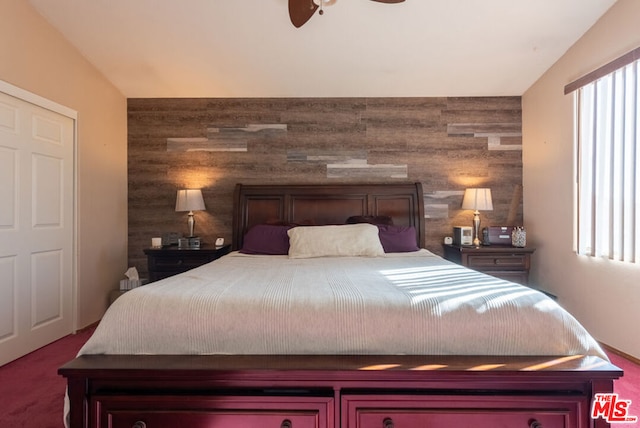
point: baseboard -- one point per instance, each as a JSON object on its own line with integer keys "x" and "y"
{"x": 620, "y": 353}
{"x": 89, "y": 327}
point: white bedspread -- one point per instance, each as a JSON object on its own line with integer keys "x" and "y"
{"x": 416, "y": 303}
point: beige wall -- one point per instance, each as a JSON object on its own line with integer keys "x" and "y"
{"x": 603, "y": 295}
{"x": 35, "y": 57}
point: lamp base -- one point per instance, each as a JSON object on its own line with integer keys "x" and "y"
{"x": 191, "y": 222}
{"x": 476, "y": 228}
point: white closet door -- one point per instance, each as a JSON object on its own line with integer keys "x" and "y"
{"x": 36, "y": 226}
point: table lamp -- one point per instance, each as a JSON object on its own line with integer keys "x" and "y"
{"x": 477, "y": 200}
{"x": 190, "y": 200}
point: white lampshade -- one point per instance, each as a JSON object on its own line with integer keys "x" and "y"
{"x": 477, "y": 200}
{"x": 190, "y": 200}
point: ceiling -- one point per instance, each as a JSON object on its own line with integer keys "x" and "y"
{"x": 358, "y": 48}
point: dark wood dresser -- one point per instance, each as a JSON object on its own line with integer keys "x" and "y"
{"x": 169, "y": 261}
{"x": 502, "y": 261}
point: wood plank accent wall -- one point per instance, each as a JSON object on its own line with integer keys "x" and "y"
{"x": 448, "y": 144}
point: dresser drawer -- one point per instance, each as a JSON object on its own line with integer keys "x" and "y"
{"x": 169, "y": 261}
{"x": 199, "y": 419}
{"x": 502, "y": 261}
{"x": 218, "y": 412}
{"x": 463, "y": 419}
{"x": 460, "y": 411}
{"x": 505, "y": 262}
{"x": 187, "y": 261}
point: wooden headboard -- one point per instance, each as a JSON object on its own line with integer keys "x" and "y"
{"x": 323, "y": 204}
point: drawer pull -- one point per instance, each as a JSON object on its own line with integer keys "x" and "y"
{"x": 286, "y": 424}
{"x": 139, "y": 424}
{"x": 387, "y": 423}
{"x": 534, "y": 424}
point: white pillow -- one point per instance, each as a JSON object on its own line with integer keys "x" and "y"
{"x": 344, "y": 240}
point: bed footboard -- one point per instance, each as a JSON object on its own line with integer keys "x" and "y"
{"x": 329, "y": 391}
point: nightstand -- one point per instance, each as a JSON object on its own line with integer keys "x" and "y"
{"x": 169, "y": 261}
{"x": 502, "y": 261}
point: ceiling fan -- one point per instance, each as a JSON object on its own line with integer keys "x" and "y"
{"x": 300, "y": 11}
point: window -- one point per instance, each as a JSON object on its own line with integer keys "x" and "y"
{"x": 608, "y": 179}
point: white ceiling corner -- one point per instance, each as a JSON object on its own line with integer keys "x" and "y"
{"x": 249, "y": 48}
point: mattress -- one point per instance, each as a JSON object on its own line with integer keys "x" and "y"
{"x": 402, "y": 303}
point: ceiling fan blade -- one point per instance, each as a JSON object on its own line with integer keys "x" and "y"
{"x": 300, "y": 11}
{"x": 389, "y": 1}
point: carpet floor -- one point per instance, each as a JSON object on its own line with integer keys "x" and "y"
{"x": 628, "y": 387}
{"x": 32, "y": 393}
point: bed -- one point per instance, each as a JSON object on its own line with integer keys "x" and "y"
{"x": 330, "y": 313}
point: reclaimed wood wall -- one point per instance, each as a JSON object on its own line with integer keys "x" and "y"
{"x": 447, "y": 144}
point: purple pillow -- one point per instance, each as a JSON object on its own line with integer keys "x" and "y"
{"x": 266, "y": 239}
{"x": 398, "y": 239}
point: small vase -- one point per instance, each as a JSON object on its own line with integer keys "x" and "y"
{"x": 519, "y": 237}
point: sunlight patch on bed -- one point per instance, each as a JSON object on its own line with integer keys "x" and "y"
{"x": 455, "y": 287}
{"x": 507, "y": 298}
{"x": 419, "y": 272}
{"x": 473, "y": 292}
{"x": 546, "y": 305}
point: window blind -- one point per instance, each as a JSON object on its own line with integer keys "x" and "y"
{"x": 607, "y": 152}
